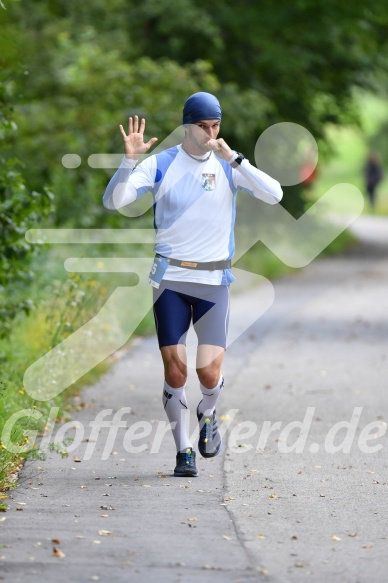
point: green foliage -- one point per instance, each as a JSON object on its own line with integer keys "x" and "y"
{"x": 64, "y": 306}
{"x": 84, "y": 67}
{"x": 19, "y": 211}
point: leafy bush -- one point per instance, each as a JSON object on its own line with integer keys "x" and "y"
{"x": 20, "y": 210}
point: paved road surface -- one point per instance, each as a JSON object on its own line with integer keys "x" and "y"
{"x": 288, "y": 505}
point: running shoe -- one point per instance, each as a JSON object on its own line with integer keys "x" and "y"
{"x": 185, "y": 464}
{"x": 210, "y": 442}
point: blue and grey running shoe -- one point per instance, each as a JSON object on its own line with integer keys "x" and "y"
{"x": 210, "y": 442}
{"x": 185, "y": 464}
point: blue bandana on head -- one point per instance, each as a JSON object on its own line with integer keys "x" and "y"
{"x": 201, "y": 106}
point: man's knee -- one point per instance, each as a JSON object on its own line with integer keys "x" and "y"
{"x": 175, "y": 367}
{"x": 175, "y": 374}
{"x": 209, "y": 376}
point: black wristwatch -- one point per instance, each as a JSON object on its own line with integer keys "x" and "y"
{"x": 238, "y": 160}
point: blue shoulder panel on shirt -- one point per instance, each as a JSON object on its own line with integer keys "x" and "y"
{"x": 163, "y": 161}
{"x": 227, "y": 168}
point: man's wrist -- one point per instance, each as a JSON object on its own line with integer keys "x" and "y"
{"x": 128, "y": 162}
{"x": 236, "y": 159}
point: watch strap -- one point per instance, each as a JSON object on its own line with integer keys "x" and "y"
{"x": 237, "y": 160}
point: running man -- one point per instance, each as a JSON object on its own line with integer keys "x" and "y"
{"x": 194, "y": 186}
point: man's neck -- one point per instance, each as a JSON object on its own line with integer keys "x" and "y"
{"x": 192, "y": 149}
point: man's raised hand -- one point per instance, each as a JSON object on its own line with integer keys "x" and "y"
{"x": 134, "y": 145}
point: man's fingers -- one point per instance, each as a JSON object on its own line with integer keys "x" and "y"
{"x": 213, "y": 144}
{"x": 134, "y": 127}
{"x": 151, "y": 141}
{"x": 136, "y": 124}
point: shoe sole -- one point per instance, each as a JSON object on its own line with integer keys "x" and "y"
{"x": 186, "y": 475}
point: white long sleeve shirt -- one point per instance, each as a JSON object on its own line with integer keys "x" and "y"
{"x": 194, "y": 205}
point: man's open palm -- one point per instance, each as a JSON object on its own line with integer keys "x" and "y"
{"x": 134, "y": 145}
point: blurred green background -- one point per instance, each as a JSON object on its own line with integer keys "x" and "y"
{"x": 72, "y": 71}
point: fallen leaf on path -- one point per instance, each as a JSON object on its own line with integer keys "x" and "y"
{"x": 273, "y": 496}
{"x": 261, "y": 536}
{"x": 224, "y": 536}
{"x": 352, "y": 534}
{"x": 193, "y": 518}
{"x": 3, "y": 518}
{"x": 106, "y": 507}
{"x": 146, "y": 486}
{"x": 76, "y": 459}
{"x": 104, "y": 532}
{"x": 264, "y": 571}
{"x": 334, "y": 537}
{"x": 58, "y": 553}
{"x": 104, "y": 515}
{"x": 56, "y": 541}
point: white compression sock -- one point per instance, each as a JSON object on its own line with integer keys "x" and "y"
{"x": 175, "y": 405}
{"x": 210, "y": 397}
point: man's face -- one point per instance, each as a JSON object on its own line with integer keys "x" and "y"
{"x": 201, "y": 132}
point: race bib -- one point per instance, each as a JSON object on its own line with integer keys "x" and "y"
{"x": 158, "y": 269}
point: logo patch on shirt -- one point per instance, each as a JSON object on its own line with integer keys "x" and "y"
{"x": 208, "y": 181}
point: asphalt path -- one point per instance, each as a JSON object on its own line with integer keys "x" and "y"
{"x": 300, "y": 490}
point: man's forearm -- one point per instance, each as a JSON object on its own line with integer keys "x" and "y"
{"x": 120, "y": 191}
{"x": 262, "y": 185}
